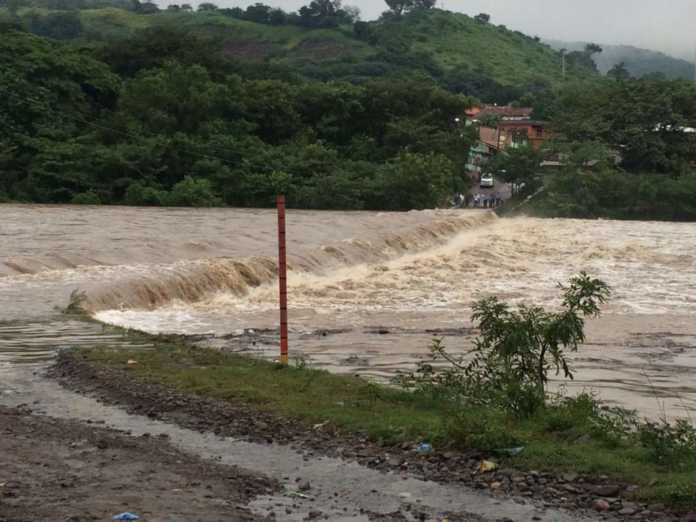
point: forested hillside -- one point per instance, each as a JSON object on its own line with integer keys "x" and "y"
{"x": 187, "y": 127}
{"x": 113, "y": 101}
{"x": 461, "y": 53}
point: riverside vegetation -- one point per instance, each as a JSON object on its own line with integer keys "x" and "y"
{"x": 497, "y": 401}
{"x": 117, "y": 102}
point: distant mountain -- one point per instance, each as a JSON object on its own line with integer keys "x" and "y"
{"x": 639, "y": 62}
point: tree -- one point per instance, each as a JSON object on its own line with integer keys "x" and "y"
{"x": 259, "y": 13}
{"x": 483, "y": 18}
{"x": 363, "y": 31}
{"x": 619, "y": 72}
{"x": 593, "y": 48}
{"x": 520, "y": 347}
{"x": 277, "y": 17}
{"x": 424, "y": 4}
{"x": 146, "y": 7}
{"x": 413, "y": 181}
{"x": 192, "y": 192}
{"x": 515, "y": 352}
{"x": 59, "y": 25}
{"x": 352, "y": 13}
{"x": 207, "y": 6}
{"x": 519, "y": 165}
{"x": 322, "y": 13}
{"x": 398, "y": 7}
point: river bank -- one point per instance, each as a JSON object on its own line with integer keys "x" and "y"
{"x": 349, "y": 419}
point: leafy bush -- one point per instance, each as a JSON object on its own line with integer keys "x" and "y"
{"x": 191, "y": 192}
{"x": 482, "y": 429}
{"x": 672, "y": 445}
{"x": 86, "y": 198}
{"x": 515, "y": 351}
{"x": 138, "y": 194}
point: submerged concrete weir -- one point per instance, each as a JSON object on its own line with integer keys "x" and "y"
{"x": 367, "y": 290}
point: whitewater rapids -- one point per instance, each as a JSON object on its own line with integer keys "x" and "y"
{"x": 368, "y": 291}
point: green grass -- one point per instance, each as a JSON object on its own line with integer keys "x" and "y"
{"x": 561, "y": 438}
{"x": 458, "y": 41}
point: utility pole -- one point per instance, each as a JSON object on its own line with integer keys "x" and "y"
{"x": 563, "y": 63}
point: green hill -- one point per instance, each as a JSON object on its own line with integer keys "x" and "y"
{"x": 462, "y": 54}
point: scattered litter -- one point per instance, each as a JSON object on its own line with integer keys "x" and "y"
{"x": 486, "y": 466}
{"x": 125, "y": 516}
{"x": 131, "y": 362}
{"x": 295, "y": 494}
{"x": 513, "y": 452}
{"x": 320, "y": 426}
{"x": 424, "y": 448}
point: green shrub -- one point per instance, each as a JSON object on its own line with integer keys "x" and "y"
{"x": 515, "y": 351}
{"x": 191, "y": 192}
{"x": 86, "y": 198}
{"x": 487, "y": 430}
{"x": 672, "y": 445}
{"x": 570, "y": 413}
{"x": 140, "y": 195}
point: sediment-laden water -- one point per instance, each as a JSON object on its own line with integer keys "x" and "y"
{"x": 368, "y": 291}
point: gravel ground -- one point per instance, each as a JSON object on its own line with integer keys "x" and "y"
{"x": 61, "y": 470}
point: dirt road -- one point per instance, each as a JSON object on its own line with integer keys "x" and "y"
{"x": 63, "y": 470}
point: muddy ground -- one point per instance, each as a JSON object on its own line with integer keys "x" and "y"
{"x": 61, "y": 470}
{"x": 568, "y": 491}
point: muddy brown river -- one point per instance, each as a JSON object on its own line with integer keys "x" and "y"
{"x": 368, "y": 291}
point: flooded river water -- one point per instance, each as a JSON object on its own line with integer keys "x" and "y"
{"x": 368, "y": 291}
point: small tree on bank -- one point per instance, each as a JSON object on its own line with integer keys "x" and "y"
{"x": 515, "y": 351}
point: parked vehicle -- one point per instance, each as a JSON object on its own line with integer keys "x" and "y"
{"x": 487, "y": 181}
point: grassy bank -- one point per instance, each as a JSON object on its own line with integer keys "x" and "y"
{"x": 566, "y": 436}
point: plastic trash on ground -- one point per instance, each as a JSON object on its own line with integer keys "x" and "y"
{"x": 486, "y": 466}
{"x": 424, "y": 448}
{"x": 125, "y": 516}
{"x": 513, "y": 452}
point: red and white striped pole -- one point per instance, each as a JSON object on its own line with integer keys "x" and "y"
{"x": 283, "y": 281}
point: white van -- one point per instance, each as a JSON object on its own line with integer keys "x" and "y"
{"x": 487, "y": 181}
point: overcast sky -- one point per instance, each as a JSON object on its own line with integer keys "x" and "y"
{"x": 667, "y": 25}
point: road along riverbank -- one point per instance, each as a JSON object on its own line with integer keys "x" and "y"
{"x": 324, "y": 416}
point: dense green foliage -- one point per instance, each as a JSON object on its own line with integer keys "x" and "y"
{"x": 168, "y": 130}
{"x": 121, "y": 102}
{"x": 627, "y": 149}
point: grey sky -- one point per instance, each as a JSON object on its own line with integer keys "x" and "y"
{"x": 667, "y": 25}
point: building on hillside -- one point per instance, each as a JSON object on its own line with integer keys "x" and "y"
{"x": 506, "y": 112}
{"x": 501, "y": 128}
